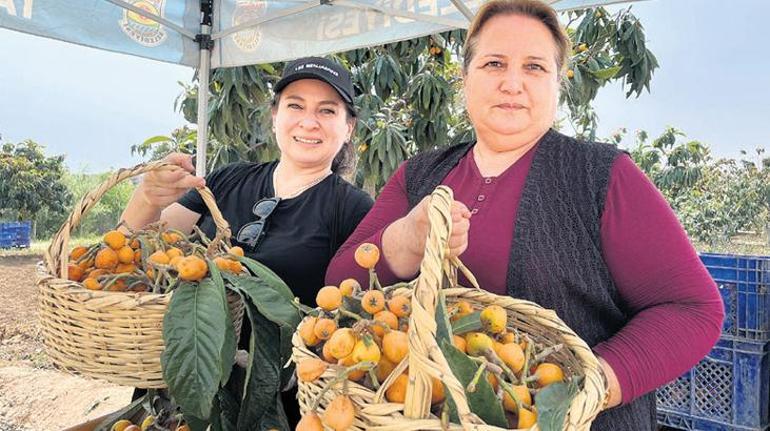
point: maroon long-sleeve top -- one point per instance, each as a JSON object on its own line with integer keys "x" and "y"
{"x": 674, "y": 307}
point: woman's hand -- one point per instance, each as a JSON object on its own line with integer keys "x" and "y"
{"x": 403, "y": 242}
{"x": 418, "y": 223}
{"x": 161, "y": 188}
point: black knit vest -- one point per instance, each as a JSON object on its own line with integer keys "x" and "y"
{"x": 556, "y": 256}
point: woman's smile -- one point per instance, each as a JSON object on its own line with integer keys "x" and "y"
{"x": 308, "y": 141}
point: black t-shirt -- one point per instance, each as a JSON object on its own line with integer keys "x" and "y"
{"x": 298, "y": 243}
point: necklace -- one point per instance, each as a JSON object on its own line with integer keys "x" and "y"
{"x": 302, "y": 188}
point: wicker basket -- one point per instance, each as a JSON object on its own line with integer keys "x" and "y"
{"x": 374, "y": 412}
{"x": 114, "y": 336}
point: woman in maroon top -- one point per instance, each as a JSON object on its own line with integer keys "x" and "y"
{"x": 576, "y": 227}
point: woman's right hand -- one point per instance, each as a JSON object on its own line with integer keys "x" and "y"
{"x": 419, "y": 224}
{"x": 403, "y": 242}
{"x": 161, "y": 188}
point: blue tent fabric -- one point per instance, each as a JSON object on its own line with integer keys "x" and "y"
{"x": 99, "y": 24}
{"x": 321, "y": 28}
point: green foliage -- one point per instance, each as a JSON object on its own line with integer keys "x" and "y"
{"x": 192, "y": 332}
{"x": 553, "y": 403}
{"x": 469, "y": 323}
{"x": 198, "y": 359}
{"x": 483, "y": 401}
{"x": 714, "y": 199}
{"x": 606, "y": 48}
{"x": 409, "y": 94}
{"x": 100, "y": 218}
{"x": 181, "y": 140}
{"x": 31, "y": 182}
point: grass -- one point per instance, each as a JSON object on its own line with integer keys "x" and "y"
{"x": 748, "y": 244}
{"x": 38, "y": 247}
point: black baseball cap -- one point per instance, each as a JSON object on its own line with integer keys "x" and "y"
{"x": 328, "y": 71}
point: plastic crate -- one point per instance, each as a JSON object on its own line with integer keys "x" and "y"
{"x": 728, "y": 390}
{"x": 744, "y": 283}
{"x": 6, "y": 241}
{"x": 15, "y": 234}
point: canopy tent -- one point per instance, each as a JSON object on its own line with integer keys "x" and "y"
{"x": 224, "y": 33}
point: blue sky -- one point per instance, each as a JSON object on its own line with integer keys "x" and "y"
{"x": 714, "y": 84}
{"x": 714, "y": 76}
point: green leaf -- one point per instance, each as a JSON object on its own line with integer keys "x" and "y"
{"x": 195, "y": 423}
{"x": 608, "y": 73}
{"x": 269, "y": 301}
{"x": 425, "y": 93}
{"x": 553, "y": 403}
{"x": 352, "y": 304}
{"x": 593, "y": 65}
{"x": 444, "y": 329}
{"x": 216, "y": 418}
{"x": 267, "y": 67}
{"x": 268, "y": 277}
{"x": 483, "y": 401}
{"x": 192, "y": 331}
{"x": 469, "y": 323}
{"x": 230, "y": 343}
{"x": 577, "y": 82}
{"x": 275, "y": 307}
{"x": 228, "y": 408}
{"x": 393, "y": 161}
{"x": 261, "y": 406}
{"x": 155, "y": 140}
{"x": 444, "y": 334}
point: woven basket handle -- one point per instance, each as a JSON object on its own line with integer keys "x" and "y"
{"x": 425, "y": 357}
{"x": 57, "y": 256}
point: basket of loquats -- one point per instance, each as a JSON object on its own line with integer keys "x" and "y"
{"x": 432, "y": 355}
{"x": 102, "y": 307}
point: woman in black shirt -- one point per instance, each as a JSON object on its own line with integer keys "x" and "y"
{"x": 291, "y": 214}
{"x": 313, "y": 121}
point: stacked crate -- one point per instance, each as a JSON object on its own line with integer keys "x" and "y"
{"x": 15, "y": 234}
{"x": 729, "y": 389}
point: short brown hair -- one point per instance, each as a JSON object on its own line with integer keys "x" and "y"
{"x": 535, "y": 9}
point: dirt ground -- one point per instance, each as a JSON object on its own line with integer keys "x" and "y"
{"x": 33, "y": 395}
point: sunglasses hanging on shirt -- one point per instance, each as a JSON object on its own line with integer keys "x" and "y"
{"x": 252, "y": 233}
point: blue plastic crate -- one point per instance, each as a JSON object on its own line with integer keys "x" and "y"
{"x": 6, "y": 241}
{"x": 744, "y": 283}
{"x": 729, "y": 390}
{"x": 15, "y": 234}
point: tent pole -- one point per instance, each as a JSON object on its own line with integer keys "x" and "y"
{"x": 460, "y": 5}
{"x": 203, "y": 107}
{"x": 206, "y": 44}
